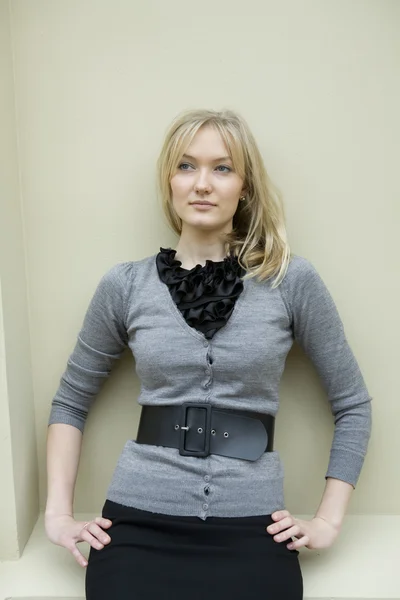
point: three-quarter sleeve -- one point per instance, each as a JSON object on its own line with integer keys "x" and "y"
{"x": 100, "y": 342}
{"x": 318, "y": 329}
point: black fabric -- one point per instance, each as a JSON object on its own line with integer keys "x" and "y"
{"x": 206, "y": 294}
{"x": 163, "y": 557}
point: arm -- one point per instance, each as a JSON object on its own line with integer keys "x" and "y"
{"x": 64, "y": 444}
{"x": 334, "y": 502}
{"x": 322, "y": 530}
{"x": 63, "y": 452}
{"x": 100, "y": 343}
{"x": 318, "y": 329}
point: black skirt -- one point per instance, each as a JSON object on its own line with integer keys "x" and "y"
{"x": 154, "y": 556}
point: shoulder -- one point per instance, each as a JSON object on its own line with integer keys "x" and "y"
{"x": 300, "y": 274}
{"x": 117, "y": 276}
{"x": 299, "y": 268}
{"x": 303, "y": 283}
{"x": 122, "y": 274}
{"x": 122, "y": 277}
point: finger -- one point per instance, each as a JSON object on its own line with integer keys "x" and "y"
{"x": 86, "y": 536}
{"x": 280, "y": 514}
{"x": 282, "y": 524}
{"x": 96, "y": 532}
{"x": 303, "y": 541}
{"x": 285, "y": 535}
{"x": 105, "y": 523}
{"x": 80, "y": 559}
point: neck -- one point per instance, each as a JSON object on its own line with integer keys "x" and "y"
{"x": 195, "y": 250}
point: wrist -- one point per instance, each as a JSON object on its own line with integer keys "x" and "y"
{"x": 59, "y": 504}
{"x": 51, "y": 512}
{"x": 334, "y": 523}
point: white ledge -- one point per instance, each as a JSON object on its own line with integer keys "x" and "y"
{"x": 363, "y": 564}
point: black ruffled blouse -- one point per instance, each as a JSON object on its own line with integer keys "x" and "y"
{"x": 205, "y": 294}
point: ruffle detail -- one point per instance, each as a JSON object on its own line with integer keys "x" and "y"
{"x": 205, "y": 294}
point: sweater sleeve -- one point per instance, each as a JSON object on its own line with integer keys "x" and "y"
{"x": 99, "y": 344}
{"x": 318, "y": 329}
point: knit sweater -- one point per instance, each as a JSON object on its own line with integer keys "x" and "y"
{"x": 239, "y": 368}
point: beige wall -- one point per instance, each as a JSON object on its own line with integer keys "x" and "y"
{"x": 8, "y": 520}
{"x": 97, "y": 83}
{"x": 19, "y": 499}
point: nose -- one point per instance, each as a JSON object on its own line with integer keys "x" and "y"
{"x": 202, "y": 184}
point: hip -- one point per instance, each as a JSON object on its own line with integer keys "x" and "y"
{"x": 157, "y": 554}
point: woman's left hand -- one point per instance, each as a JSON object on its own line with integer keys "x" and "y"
{"x": 314, "y": 534}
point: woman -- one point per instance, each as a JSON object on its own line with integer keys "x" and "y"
{"x": 195, "y": 507}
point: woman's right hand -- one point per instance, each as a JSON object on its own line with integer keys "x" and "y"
{"x": 63, "y": 530}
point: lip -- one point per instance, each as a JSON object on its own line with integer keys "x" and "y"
{"x": 203, "y": 206}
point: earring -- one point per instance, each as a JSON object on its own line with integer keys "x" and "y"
{"x": 242, "y": 198}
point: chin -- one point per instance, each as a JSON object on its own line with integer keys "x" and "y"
{"x": 200, "y": 221}
{"x": 204, "y": 225}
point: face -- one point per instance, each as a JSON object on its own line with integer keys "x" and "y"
{"x": 206, "y": 174}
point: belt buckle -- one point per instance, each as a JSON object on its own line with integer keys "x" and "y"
{"x": 184, "y": 428}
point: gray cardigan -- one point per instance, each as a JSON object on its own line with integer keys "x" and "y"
{"x": 240, "y": 367}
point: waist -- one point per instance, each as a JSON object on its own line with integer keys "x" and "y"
{"x": 200, "y": 429}
{"x": 159, "y": 479}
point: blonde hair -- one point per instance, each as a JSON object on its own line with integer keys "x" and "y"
{"x": 258, "y": 237}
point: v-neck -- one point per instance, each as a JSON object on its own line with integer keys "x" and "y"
{"x": 182, "y": 321}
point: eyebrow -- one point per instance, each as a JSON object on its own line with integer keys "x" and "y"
{"x": 214, "y": 160}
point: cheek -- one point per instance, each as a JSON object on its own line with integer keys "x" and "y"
{"x": 232, "y": 189}
{"x": 179, "y": 185}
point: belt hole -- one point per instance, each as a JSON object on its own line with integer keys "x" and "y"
{"x": 200, "y": 430}
{"x": 226, "y": 434}
{"x": 176, "y": 427}
{"x": 213, "y": 432}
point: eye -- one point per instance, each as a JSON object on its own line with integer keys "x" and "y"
{"x": 184, "y": 165}
{"x": 224, "y": 167}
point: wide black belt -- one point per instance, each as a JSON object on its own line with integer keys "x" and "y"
{"x": 198, "y": 429}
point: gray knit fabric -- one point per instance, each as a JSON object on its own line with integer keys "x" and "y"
{"x": 241, "y": 367}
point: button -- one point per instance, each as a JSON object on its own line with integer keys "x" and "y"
{"x": 207, "y": 490}
{"x": 205, "y": 506}
{"x": 206, "y": 478}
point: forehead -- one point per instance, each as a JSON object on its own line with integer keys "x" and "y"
{"x": 208, "y": 143}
